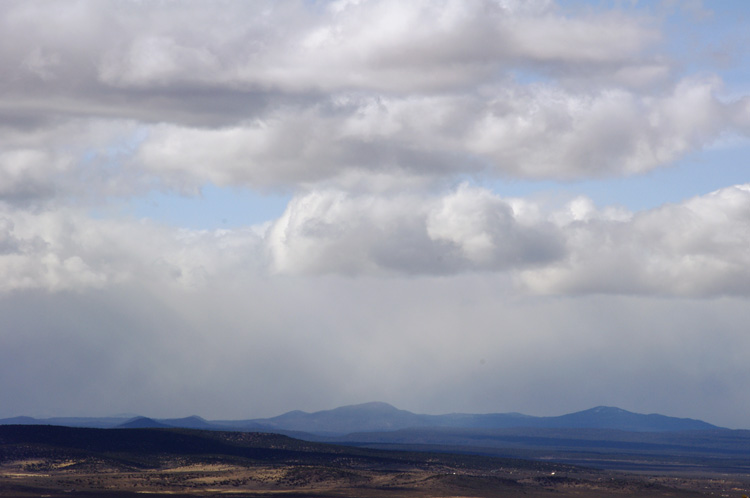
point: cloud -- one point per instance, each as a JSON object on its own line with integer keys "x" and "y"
{"x": 467, "y": 230}
{"x": 375, "y": 46}
{"x": 546, "y": 133}
{"x": 292, "y": 95}
{"x": 24, "y": 173}
{"x": 60, "y": 161}
{"x": 694, "y": 248}
{"x": 67, "y": 250}
{"x": 537, "y": 132}
{"x": 243, "y": 55}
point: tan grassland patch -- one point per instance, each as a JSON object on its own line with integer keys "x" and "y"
{"x": 203, "y": 468}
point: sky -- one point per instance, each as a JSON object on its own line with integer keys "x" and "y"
{"x": 236, "y": 209}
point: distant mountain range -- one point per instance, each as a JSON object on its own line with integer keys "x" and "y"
{"x": 603, "y": 437}
{"x": 381, "y": 417}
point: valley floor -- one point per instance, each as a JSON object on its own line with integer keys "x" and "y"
{"x": 86, "y": 478}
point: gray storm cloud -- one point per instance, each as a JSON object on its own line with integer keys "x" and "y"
{"x": 418, "y": 343}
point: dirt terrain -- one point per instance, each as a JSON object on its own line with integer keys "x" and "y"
{"x": 59, "y": 462}
{"x": 68, "y": 478}
{"x": 88, "y": 478}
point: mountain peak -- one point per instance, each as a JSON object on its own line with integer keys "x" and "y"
{"x": 606, "y": 410}
{"x": 374, "y": 406}
{"x": 191, "y": 422}
{"x": 191, "y": 418}
{"x": 372, "y": 416}
{"x": 610, "y": 417}
{"x": 142, "y": 423}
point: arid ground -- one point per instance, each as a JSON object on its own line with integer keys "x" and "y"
{"x": 64, "y": 462}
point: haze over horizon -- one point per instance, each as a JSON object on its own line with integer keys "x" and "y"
{"x": 378, "y": 416}
{"x": 237, "y": 209}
